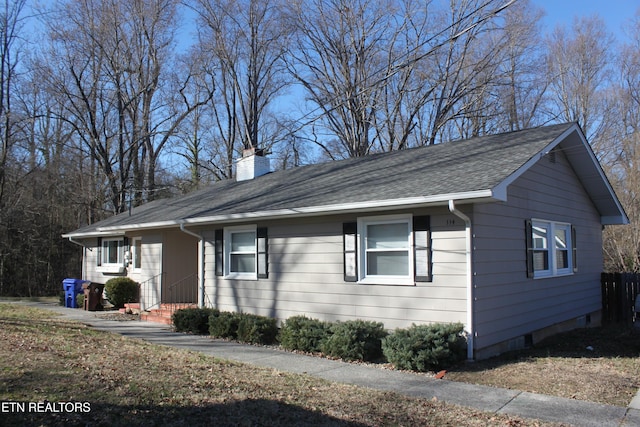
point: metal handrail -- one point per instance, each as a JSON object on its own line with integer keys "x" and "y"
{"x": 182, "y": 292}
{"x": 153, "y": 295}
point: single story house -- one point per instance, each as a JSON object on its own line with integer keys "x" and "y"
{"x": 502, "y": 233}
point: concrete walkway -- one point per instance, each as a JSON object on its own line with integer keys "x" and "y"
{"x": 501, "y": 401}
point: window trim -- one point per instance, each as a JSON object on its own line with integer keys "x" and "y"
{"x": 228, "y": 236}
{"x": 368, "y": 279}
{"x": 552, "y": 250}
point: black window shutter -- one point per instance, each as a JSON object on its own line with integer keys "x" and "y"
{"x": 219, "y": 252}
{"x": 350, "y": 250}
{"x": 574, "y": 249}
{"x": 422, "y": 248}
{"x": 99, "y": 251}
{"x": 263, "y": 253}
{"x": 529, "y": 239}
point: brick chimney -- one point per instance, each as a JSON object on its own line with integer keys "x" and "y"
{"x": 253, "y": 164}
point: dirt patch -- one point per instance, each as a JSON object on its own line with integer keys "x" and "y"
{"x": 117, "y": 316}
{"x": 595, "y": 364}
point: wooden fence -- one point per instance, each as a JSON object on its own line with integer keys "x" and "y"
{"x": 619, "y": 291}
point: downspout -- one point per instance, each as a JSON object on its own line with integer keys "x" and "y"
{"x": 468, "y": 251}
{"x": 200, "y": 263}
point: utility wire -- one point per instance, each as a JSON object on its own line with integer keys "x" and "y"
{"x": 396, "y": 69}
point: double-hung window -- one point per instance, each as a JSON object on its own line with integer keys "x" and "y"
{"x": 111, "y": 254}
{"x": 241, "y": 252}
{"x": 551, "y": 248}
{"x": 387, "y": 250}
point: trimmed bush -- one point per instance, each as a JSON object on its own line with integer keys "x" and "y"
{"x": 425, "y": 347}
{"x": 121, "y": 290}
{"x": 224, "y": 325}
{"x": 80, "y": 301}
{"x": 304, "y": 334}
{"x": 355, "y": 340}
{"x": 257, "y": 329}
{"x": 193, "y": 320}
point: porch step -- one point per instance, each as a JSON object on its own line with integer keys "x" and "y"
{"x": 163, "y": 313}
{"x": 130, "y": 307}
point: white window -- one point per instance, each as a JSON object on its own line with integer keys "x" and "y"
{"x": 112, "y": 252}
{"x": 136, "y": 253}
{"x": 386, "y": 255}
{"x": 241, "y": 252}
{"x": 552, "y": 253}
{"x": 111, "y": 255}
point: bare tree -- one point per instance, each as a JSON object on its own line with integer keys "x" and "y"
{"x": 160, "y": 89}
{"x": 196, "y": 143}
{"x": 115, "y": 74}
{"x": 246, "y": 42}
{"x": 579, "y": 72}
{"x": 340, "y": 48}
{"x": 622, "y": 243}
{"x": 465, "y": 68}
{"x": 87, "y": 67}
{"x": 521, "y": 92}
{"x": 407, "y": 83}
{"x": 388, "y": 75}
{"x": 11, "y": 22}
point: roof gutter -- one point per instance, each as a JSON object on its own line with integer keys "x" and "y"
{"x": 200, "y": 263}
{"x": 72, "y": 240}
{"x": 340, "y": 208}
{"x": 468, "y": 252}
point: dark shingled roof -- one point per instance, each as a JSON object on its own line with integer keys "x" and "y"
{"x": 468, "y": 166}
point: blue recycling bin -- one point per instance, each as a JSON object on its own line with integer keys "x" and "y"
{"x": 72, "y": 288}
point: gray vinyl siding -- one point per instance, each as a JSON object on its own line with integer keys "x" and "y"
{"x": 151, "y": 267}
{"x": 151, "y": 257}
{"x": 90, "y": 261}
{"x": 306, "y": 278}
{"x": 507, "y": 304}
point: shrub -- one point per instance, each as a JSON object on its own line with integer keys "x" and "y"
{"x": 80, "y": 301}
{"x": 224, "y": 325}
{"x": 193, "y": 320}
{"x": 425, "y": 347}
{"x": 121, "y": 290}
{"x": 355, "y": 340}
{"x": 304, "y": 334}
{"x": 257, "y": 329}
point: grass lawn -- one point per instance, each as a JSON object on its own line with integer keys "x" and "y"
{"x": 130, "y": 382}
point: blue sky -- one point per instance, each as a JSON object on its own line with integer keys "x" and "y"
{"x": 614, "y": 12}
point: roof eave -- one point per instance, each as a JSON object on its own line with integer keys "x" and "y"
{"x": 344, "y": 208}
{"x": 610, "y": 206}
{"x": 94, "y": 233}
{"x": 355, "y": 207}
{"x": 614, "y": 220}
